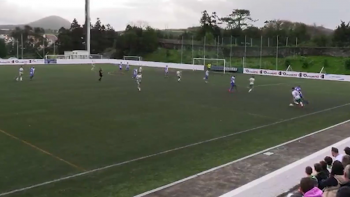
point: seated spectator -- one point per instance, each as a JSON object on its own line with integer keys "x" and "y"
{"x": 343, "y": 192}
{"x": 336, "y": 154}
{"x": 346, "y": 176}
{"x": 308, "y": 189}
{"x": 329, "y": 162}
{"x": 324, "y": 167}
{"x": 346, "y": 160}
{"x": 347, "y": 150}
{"x": 308, "y": 171}
{"x": 321, "y": 174}
{"x": 336, "y": 178}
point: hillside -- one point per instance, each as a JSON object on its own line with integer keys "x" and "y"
{"x": 50, "y": 22}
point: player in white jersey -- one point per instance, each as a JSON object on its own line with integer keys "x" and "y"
{"x": 178, "y": 73}
{"x": 166, "y": 70}
{"x": 92, "y": 67}
{"x": 20, "y": 74}
{"x": 206, "y": 77}
{"x": 251, "y": 83}
{"x": 296, "y": 97}
{"x": 138, "y": 81}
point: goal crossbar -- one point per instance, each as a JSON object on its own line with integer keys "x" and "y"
{"x": 209, "y": 60}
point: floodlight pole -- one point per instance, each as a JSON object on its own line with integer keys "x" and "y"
{"x": 88, "y": 28}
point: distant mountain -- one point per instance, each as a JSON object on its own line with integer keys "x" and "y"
{"x": 50, "y": 22}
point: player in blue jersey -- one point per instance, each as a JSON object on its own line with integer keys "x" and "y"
{"x": 31, "y": 72}
{"x": 166, "y": 70}
{"x": 127, "y": 66}
{"x": 298, "y": 88}
{"x": 135, "y": 73}
{"x": 206, "y": 76}
{"x": 233, "y": 84}
{"x": 121, "y": 66}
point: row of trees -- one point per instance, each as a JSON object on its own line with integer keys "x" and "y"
{"x": 139, "y": 39}
{"x": 239, "y": 24}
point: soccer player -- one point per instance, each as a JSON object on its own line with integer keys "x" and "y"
{"x": 121, "y": 66}
{"x": 178, "y": 73}
{"x": 298, "y": 88}
{"x": 166, "y": 70}
{"x": 138, "y": 81}
{"x": 92, "y": 67}
{"x": 296, "y": 97}
{"x": 233, "y": 84}
{"x": 251, "y": 83}
{"x": 31, "y": 72}
{"x": 140, "y": 70}
{"x": 127, "y": 66}
{"x": 135, "y": 73}
{"x": 206, "y": 77}
{"x": 20, "y": 74}
{"x": 100, "y": 74}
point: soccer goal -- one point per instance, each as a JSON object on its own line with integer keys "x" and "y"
{"x": 207, "y": 62}
{"x": 133, "y": 58}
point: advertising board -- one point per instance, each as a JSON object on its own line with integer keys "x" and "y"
{"x": 21, "y": 61}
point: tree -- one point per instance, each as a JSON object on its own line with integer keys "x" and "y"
{"x": 209, "y": 24}
{"x": 239, "y": 18}
{"x": 3, "y": 49}
{"x": 341, "y": 36}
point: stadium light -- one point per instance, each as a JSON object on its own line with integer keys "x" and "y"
{"x": 88, "y": 28}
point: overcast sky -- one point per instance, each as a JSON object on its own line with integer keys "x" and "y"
{"x": 175, "y": 13}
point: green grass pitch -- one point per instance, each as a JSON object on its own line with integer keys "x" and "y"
{"x": 65, "y": 122}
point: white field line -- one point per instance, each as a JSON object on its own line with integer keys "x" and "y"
{"x": 271, "y": 84}
{"x": 180, "y": 148}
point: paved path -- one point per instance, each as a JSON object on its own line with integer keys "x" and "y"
{"x": 228, "y": 178}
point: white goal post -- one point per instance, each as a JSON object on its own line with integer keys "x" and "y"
{"x": 206, "y": 61}
{"x": 134, "y": 58}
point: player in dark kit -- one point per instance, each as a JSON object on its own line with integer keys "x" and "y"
{"x": 100, "y": 73}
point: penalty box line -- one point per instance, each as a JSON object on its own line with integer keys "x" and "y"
{"x": 169, "y": 151}
{"x": 42, "y": 150}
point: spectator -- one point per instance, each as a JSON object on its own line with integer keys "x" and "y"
{"x": 324, "y": 168}
{"x": 329, "y": 162}
{"x": 308, "y": 189}
{"x": 347, "y": 150}
{"x": 343, "y": 192}
{"x": 321, "y": 174}
{"x": 346, "y": 176}
{"x": 336, "y": 155}
{"x": 308, "y": 171}
{"x": 336, "y": 178}
{"x": 346, "y": 160}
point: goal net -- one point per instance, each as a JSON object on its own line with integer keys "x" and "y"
{"x": 219, "y": 64}
{"x": 133, "y": 58}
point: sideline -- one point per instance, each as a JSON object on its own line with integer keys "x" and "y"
{"x": 184, "y": 147}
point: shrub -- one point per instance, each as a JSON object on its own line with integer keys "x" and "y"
{"x": 305, "y": 65}
{"x": 325, "y": 63}
{"x": 168, "y": 53}
{"x": 347, "y": 64}
{"x": 287, "y": 63}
